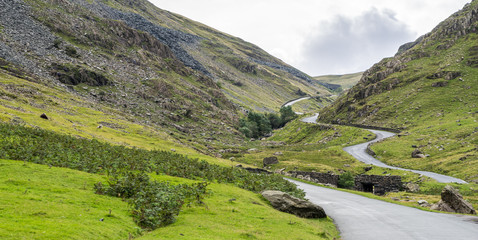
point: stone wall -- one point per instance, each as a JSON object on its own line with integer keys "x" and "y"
{"x": 378, "y": 184}
{"x": 324, "y": 178}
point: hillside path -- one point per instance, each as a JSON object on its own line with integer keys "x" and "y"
{"x": 361, "y": 218}
{"x": 359, "y": 152}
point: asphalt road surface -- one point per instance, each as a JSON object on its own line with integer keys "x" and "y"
{"x": 295, "y": 101}
{"x": 358, "y": 152}
{"x": 360, "y": 218}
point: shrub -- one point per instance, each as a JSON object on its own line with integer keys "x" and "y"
{"x": 346, "y": 180}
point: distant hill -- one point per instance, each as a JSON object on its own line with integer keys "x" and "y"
{"x": 429, "y": 91}
{"x": 345, "y": 81}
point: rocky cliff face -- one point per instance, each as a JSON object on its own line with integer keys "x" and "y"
{"x": 160, "y": 68}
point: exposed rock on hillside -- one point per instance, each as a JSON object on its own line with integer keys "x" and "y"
{"x": 452, "y": 201}
{"x": 162, "y": 69}
{"x": 286, "y": 203}
{"x": 383, "y": 77}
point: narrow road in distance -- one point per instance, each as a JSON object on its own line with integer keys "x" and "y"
{"x": 359, "y": 152}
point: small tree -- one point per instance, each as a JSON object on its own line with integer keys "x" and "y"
{"x": 274, "y": 120}
{"x": 287, "y": 115}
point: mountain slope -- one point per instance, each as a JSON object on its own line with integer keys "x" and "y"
{"x": 344, "y": 82}
{"x": 163, "y": 70}
{"x": 428, "y": 90}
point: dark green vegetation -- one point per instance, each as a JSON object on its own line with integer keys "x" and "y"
{"x": 257, "y": 125}
{"x": 127, "y": 170}
{"x": 429, "y": 91}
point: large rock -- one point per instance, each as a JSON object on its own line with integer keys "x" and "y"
{"x": 286, "y": 203}
{"x": 412, "y": 187}
{"x": 452, "y": 201}
{"x": 269, "y": 161}
{"x": 418, "y": 154}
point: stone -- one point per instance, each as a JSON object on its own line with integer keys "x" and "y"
{"x": 418, "y": 154}
{"x": 279, "y": 171}
{"x": 442, "y": 206}
{"x": 412, "y": 187}
{"x": 270, "y": 161}
{"x": 440, "y": 84}
{"x": 366, "y": 169}
{"x": 252, "y": 150}
{"x": 289, "y": 204}
{"x": 278, "y": 153}
{"x": 44, "y": 116}
{"x": 452, "y": 201}
{"x": 423, "y": 203}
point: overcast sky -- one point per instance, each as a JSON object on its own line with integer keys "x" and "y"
{"x": 321, "y": 36}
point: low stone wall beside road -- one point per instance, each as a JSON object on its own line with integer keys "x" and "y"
{"x": 323, "y": 178}
{"x": 378, "y": 184}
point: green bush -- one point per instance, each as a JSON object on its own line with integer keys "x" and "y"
{"x": 287, "y": 115}
{"x": 257, "y": 125}
{"x": 154, "y": 204}
{"x": 346, "y": 180}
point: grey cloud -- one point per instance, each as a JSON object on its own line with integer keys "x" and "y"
{"x": 345, "y": 44}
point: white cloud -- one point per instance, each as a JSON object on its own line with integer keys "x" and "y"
{"x": 283, "y": 27}
{"x": 344, "y": 44}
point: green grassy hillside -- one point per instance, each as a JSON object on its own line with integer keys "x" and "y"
{"x": 41, "y": 202}
{"x": 345, "y": 81}
{"x": 428, "y": 90}
{"x": 29, "y": 191}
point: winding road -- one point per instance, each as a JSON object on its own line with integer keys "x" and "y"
{"x": 294, "y": 102}
{"x": 362, "y": 218}
{"x": 359, "y": 152}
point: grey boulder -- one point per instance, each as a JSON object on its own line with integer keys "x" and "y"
{"x": 452, "y": 201}
{"x": 289, "y": 204}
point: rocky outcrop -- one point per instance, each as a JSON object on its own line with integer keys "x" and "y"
{"x": 286, "y": 203}
{"x": 270, "y": 161}
{"x": 290, "y": 70}
{"x": 418, "y": 154}
{"x": 412, "y": 187}
{"x": 175, "y": 40}
{"x": 385, "y": 76}
{"x": 452, "y": 201}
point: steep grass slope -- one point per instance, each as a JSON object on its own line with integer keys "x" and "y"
{"x": 428, "y": 90}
